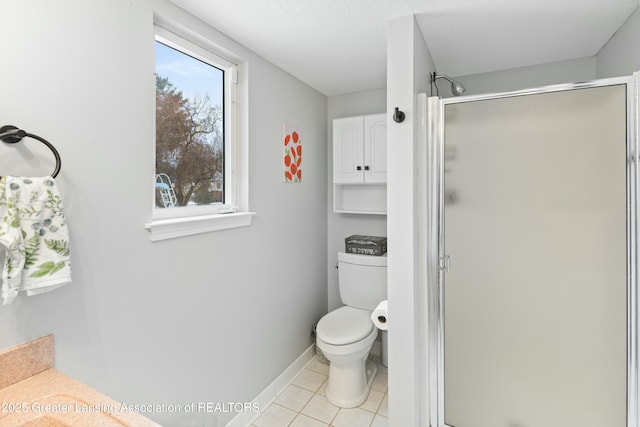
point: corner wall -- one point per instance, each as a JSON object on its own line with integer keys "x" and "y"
{"x": 408, "y": 67}
{"x": 209, "y": 318}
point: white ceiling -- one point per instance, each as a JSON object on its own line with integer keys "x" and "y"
{"x": 339, "y": 46}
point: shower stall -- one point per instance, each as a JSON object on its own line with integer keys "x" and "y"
{"x": 530, "y": 283}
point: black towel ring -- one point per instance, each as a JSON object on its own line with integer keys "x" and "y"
{"x": 10, "y": 135}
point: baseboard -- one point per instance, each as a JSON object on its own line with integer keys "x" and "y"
{"x": 269, "y": 394}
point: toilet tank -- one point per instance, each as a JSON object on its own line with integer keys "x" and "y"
{"x": 362, "y": 280}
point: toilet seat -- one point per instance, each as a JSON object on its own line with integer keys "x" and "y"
{"x": 346, "y": 325}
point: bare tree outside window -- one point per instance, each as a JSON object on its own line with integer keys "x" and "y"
{"x": 189, "y": 130}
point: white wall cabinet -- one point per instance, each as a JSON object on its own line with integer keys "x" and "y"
{"x": 360, "y": 149}
{"x": 360, "y": 164}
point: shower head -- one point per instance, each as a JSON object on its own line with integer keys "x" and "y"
{"x": 456, "y": 87}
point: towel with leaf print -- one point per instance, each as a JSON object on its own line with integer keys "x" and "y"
{"x": 34, "y": 233}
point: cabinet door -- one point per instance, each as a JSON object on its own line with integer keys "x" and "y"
{"x": 375, "y": 148}
{"x": 348, "y": 150}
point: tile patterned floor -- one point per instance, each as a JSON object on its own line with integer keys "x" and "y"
{"x": 304, "y": 403}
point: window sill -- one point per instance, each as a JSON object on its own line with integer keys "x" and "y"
{"x": 163, "y": 229}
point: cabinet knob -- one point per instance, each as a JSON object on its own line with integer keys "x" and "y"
{"x": 366, "y": 168}
{"x": 359, "y": 168}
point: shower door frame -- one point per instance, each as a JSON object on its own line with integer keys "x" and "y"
{"x": 431, "y": 127}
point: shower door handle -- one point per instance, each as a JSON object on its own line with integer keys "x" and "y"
{"x": 445, "y": 263}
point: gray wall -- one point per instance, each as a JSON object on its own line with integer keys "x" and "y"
{"x": 573, "y": 70}
{"x": 214, "y": 317}
{"x": 340, "y": 225}
{"x": 621, "y": 56}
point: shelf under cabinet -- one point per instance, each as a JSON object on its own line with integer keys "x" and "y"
{"x": 360, "y": 198}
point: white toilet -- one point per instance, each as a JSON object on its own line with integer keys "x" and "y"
{"x": 346, "y": 335}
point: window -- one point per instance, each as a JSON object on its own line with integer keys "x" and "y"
{"x": 196, "y": 147}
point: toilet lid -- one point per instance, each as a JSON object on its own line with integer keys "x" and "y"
{"x": 345, "y": 325}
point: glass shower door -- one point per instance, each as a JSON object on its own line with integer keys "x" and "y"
{"x": 534, "y": 221}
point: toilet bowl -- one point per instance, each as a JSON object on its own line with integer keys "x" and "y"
{"x": 346, "y": 336}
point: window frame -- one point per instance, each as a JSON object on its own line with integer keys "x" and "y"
{"x": 180, "y": 221}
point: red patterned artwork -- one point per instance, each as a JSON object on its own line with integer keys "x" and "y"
{"x": 292, "y": 160}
